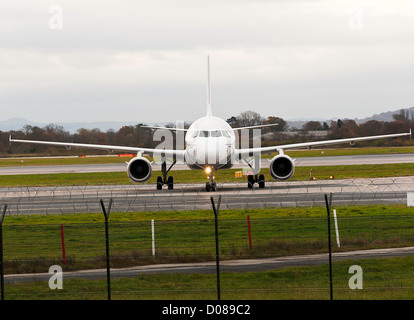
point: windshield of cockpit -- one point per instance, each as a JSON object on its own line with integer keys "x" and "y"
{"x": 211, "y": 133}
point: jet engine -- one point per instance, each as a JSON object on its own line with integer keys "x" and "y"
{"x": 139, "y": 169}
{"x": 282, "y": 167}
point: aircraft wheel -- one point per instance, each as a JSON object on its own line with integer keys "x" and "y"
{"x": 261, "y": 181}
{"x": 159, "y": 183}
{"x": 250, "y": 181}
{"x": 170, "y": 183}
{"x": 211, "y": 187}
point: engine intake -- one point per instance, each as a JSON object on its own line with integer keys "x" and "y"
{"x": 282, "y": 167}
{"x": 139, "y": 169}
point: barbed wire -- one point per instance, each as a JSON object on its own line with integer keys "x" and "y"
{"x": 145, "y": 197}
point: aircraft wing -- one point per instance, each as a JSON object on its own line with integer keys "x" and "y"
{"x": 165, "y": 128}
{"x": 103, "y": 147}
{"x": 254, "y": 127}
{"x": 319, "y": 143}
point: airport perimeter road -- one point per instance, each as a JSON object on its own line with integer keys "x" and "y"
{"x": 136, "y": 198}
{"x": 300, "y": 162}
{"x": 246, "y": 265}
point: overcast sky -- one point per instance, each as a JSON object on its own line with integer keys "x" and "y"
{"x": 123, "y": 60}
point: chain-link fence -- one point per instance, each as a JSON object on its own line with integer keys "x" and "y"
{"x": 260, "y": 258}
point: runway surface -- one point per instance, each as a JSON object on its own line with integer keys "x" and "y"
{"x": 248, "y": 265}
{"x": 300, "y": 162}
{"x": 136, "y": 198}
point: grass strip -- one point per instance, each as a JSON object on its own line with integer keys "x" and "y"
{"x": 383, "y": 279}
{"x": 32, "y": 243}
{"x": 198, "y": 176}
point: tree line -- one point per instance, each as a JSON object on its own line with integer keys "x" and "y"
{"x": 143, "y": 137}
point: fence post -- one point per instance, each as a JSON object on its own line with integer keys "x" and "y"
{"x": 250, "y": 233}
{"x": 108, "y": 268}
{"x": 63, "y": 244}
{"x": 328, "y": 208}
{"x": 336, "y": 229}
{"x": 1, "y": 252}
{"x": 216, "y": 211}
{"x": 153, "y": 237}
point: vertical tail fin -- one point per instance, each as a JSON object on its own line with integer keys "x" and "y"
{"x": 209, "y": 110}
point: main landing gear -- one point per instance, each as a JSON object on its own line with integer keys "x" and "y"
{"x": 164, "y": 180}
{"x": 252, "y": 179}
{"x": 211, "y": 185}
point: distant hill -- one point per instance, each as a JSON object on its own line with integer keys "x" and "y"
{"x": 384, "y": 116}
{"x": 19, "y": 123}
{"x": 15, "y": 124}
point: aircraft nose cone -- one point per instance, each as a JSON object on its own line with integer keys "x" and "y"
{"x": 212, "y": 151}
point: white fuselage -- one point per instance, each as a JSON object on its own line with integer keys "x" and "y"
{"x": 210, "y": 142}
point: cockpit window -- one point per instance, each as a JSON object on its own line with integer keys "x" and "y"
{"x": 226, "y": 134}
{"x": 213, "y": 134}
{"x": 216, "y": 133}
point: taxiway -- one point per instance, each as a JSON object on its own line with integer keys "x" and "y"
{"x": 300, "y": 162}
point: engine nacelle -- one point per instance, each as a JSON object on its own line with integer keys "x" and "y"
{"x": 139, "y": 169}
{"x": 282, "y": 167}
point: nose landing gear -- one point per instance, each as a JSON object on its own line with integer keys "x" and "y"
{"x": 211, "y": 185}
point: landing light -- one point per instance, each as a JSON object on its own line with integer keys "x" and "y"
{"x": 208, "y": 170}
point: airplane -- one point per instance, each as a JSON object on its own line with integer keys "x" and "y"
{"x": 210, "y": 145}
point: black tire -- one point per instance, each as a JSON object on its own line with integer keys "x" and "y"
{"x": 261, "y": 181}
{"x": 213, "y": 187}
{"x": 250, "y": 181}
{"x": 170, "y": 183}
{"x": 159, "y": 183}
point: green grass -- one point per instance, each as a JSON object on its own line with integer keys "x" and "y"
{"x": 383, "y": 279}
{"x": 33, "y": 242}
{"x": 198, "y": 176}
{"x": 365, "y": 211}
